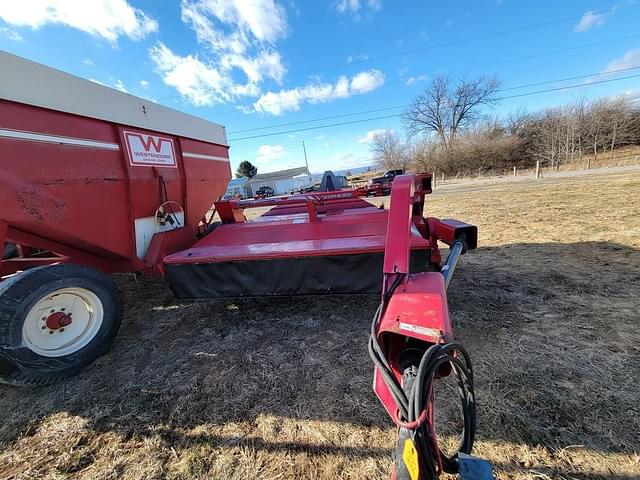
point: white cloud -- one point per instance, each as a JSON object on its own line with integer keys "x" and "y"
{"x": 290, "y": 100}
{"x": 628, "y": 60}
{"x": 268, "y": 154}
{"x": 119, "y": 85}
{"x": 11, "y": 34}
{"x": 344, "y": 161}
{"x": 367, "y": 81}
{"x": 87, "y": 61}
{"x": 244, "y": 109}
{"x": 144, "y": 84}
{"x": 411, "y": 80}
{"x": 355, "y": 8}
{"x": 357, "y": 58}
{"x": 267, "y": 64}
{"x": 107, "y": 19}
{"x": 200, "y": 83}
{"x": 239, "y": 35}
{"x": 632, "y": 95}
{"x": 589, "y": 20}
{"x": 263, "y": 21}
{"x": 372, "y": 134}
{"x": 344, "y": 6}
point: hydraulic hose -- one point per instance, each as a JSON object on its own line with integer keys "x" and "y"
{"x": 416, "y": 402}
{"x": 421, "y": 399}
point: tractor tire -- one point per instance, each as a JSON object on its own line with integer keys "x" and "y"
{"x": 54, "y": 321}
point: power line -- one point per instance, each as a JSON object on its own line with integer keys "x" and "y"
{"x": 330, "y": 117}
{"x": 431, "y": 47}
{"x": 457, "y": 42}
{"x": 315, "y": 128}
{"x": 342, "y": 115}
{"x": 566, "y": 87}
{"x": 395, "y": 82}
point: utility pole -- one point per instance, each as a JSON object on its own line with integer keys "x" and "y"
{"x": 304, "y": 149}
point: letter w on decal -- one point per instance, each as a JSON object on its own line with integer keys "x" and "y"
{"x": 149, "y": 142}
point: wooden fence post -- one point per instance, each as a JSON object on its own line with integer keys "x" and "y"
{"x": 514, "y": 170}
{"x": 537, "y": 168}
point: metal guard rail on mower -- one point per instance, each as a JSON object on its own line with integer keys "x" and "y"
{"x": 231, "y": 211}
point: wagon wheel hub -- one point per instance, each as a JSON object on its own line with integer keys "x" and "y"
{"x": 63, "y": 322}
{"x": 58, "y": 320}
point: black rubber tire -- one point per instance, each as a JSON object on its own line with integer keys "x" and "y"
{"x": 21, "y": 366}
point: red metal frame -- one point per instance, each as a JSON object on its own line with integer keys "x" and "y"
{"x": 231, "y": 211}
{"x": 304, "y": 225}
{"x": 79, "y": 203}
{"x": 418, "y": 307}
{"x": 46, "y": 247}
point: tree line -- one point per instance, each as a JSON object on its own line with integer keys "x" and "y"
{"x": 448, "y": 131}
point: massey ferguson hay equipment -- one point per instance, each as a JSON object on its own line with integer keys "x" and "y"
{"x": 95, "y": 181}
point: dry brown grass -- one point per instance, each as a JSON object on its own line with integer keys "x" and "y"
{"x": 281, "y": 388}
{"x": 629, "y": 155}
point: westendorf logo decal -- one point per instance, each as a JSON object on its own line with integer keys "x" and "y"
{"x": 150, "y": 149}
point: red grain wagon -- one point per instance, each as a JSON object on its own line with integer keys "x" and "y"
{"x": 92, "y": 177}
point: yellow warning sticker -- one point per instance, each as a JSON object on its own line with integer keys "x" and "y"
{"x": 410, "y": 457}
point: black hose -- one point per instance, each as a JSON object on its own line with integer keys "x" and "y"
{"x": 379, "y": 358}
{"x": 419, "y": 398}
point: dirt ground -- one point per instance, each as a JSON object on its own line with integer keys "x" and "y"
{"x": 548, "y": 307}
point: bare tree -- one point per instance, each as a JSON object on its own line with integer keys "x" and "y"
{"x": 580, "y": 131}
{"x": 445, "y": 109}
{"x": 426, "y": 156}
{"x": 618, "y": 116}
{"x": 516, "y": 121}
{"x": 596, "y": 127}
{"x": 389, "y": 150}
{"x": 580, "y": 113}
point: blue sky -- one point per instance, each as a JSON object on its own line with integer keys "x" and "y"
{"x": 251, "y": 64}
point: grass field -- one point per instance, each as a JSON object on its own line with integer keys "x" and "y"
{"x": 548, "y": 307}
